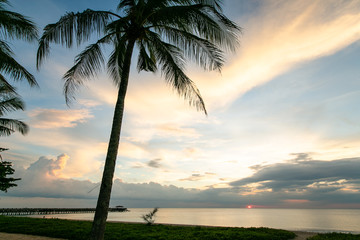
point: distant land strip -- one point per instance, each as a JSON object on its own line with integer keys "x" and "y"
{"x": 43, "y": 211}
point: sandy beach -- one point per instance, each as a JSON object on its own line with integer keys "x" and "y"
{"x": 13, "y": 236}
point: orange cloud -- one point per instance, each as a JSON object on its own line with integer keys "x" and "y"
{"x": 58, "y": 165}
{"x": 54, "y": 118}
{"x": 296, "y": 201}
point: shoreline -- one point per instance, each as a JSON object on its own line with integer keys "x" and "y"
{"x": 310, "y": 221}
{"x": 197, "y": 225}
{"x": 316, "y": 231}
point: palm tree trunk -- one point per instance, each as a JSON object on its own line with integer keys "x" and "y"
{"x": 101, "y": 213}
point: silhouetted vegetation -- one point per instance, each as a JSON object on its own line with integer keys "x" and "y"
{"x": 10, "y": 101}
{"x": 335, "y": 236}
{"x": 6, "y": 169}
{"x": 14, "y": 26}
{"x": 150, "y": 217}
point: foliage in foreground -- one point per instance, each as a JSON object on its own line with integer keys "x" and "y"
{"x": 150, "y": 217}
{"x": 79, "y": 230}
{"x": 336, "y": 236}
{"x": 6, "y": 169}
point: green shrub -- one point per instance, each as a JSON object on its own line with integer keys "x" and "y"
{"x": 336, "y": 236}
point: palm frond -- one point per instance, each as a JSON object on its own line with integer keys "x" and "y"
{"x": 202, "y": 51}
{"x": 217, "y": 4}
{"x": 9, "y": 126}
{"x": 11, "y": 67}
{"x": 11, "y": 104}
{"x": 172, "y": 62}
{"x": 5, "y": 48}
{"x": 201, "y": 20}
{"x": 4, "y": 89}
{"x": 117, "y": 26}
{"x": 5, "y": 83}
{"x": 9, "y": 100}
{"x": 230, "y": 25}
{"x": 72, "y": 26}
{"x": 146, "y": 62}
{"x": 2, "y": 2}
{"x": 116, "y": 60}
{"x": 16, "y": 26}
{"x": 87, "y": 63}
{"x": 125, "y": 5}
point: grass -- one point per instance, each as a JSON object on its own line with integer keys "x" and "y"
{"x": 79, "y": 230}
{"x": 336, "y": 236}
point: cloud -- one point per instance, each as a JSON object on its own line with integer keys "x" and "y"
{"x": 45, "y": 178}
{"x": 281, "y": 35}
{"x": 54, "y": 118}
{"x": 155, "y": 163}
{"x": 173, "y": 130}
{"x": 198, "y": 176}
{"x": 132, "y": 150}
{"x": 50, "y": 167}
{"x": 334, "y": 183}
{"x": 278, "y": 36}
{"x": 88, "y": 103}
{"x": 304, "y": 175}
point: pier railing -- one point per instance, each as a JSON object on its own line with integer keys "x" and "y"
{"x": 44, "y": 211}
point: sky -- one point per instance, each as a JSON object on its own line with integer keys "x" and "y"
{"x": 282, "y": 129}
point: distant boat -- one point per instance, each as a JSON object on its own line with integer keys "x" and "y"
{"x": 121, "y": 208}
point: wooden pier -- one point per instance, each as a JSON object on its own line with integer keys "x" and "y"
{"x": 44, "y": 211}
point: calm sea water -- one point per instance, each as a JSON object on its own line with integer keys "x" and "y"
{"x": 317, "y": 220}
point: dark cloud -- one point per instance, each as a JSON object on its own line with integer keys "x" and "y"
{"x": 298, "y": 174}
{"x": 193, "y": 177}
{"x": 155, "y": 163}
{"x": 198, "y": 176}
{"x": 301, "y": 157}
{"x": 317, "y": 182}
{"x": 295, "y": 184}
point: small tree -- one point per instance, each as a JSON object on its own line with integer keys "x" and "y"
{"x": 150, "y": 217}
{"x": 5, "y": 170}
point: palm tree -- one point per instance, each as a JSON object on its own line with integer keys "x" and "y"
{"x": 165, "y": 32}
{"x": 14, "y": 26}
{"x": 10, "y": 101}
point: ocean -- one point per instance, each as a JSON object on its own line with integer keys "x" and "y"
{"x": 315, "y": 220}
